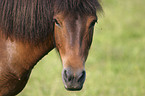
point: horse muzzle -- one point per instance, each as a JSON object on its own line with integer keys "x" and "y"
{"x": 73, "y": 80}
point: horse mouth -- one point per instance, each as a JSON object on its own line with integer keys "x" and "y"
{"x": 73, "y": 88}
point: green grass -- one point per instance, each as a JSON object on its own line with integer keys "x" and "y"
{"x": 116, "y": 63}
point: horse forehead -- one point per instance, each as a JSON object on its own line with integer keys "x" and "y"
{"x": 75, "y": 16}
{"x": 73, "y": 23}
{"x": 75, "y": 20}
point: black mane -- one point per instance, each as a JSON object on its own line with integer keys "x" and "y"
{"x": 32, "y": 20}
{"x": 81, "y": 6}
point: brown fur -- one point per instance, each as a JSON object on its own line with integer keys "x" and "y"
{"x": 73, "y": 42}
{"x": 16, "y": 62}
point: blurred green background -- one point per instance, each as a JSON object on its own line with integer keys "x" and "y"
{"x": 116, "y": 63}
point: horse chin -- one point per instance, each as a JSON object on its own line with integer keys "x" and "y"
{"x": 73, "y": 88}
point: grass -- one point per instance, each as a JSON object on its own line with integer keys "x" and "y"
{"x": 116, "y": 63}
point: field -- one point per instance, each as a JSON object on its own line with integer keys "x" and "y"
{"x": 116, "y": 63}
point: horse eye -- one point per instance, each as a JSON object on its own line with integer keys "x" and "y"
{"x": 93, "y": 23}
{"x": 56, "y": 22}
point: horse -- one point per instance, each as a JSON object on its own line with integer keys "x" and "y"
{"x": 30, "y": 29}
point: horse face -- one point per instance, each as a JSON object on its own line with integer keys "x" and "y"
{"x": 73, "y": 36}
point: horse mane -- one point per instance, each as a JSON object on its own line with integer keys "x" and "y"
{"x": 81, "y": 6}
{"x": 32, "y": 20}
{"x": 26, "y": 19}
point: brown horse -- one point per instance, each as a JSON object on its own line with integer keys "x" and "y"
{"x": 29, "y": 29}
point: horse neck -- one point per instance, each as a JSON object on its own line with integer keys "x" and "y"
{"x": 22, "y": 56}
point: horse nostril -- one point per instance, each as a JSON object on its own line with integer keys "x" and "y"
{"x": 81, "y": 78}
{"x": 70, "y": 78}
{"x": 67, "y": 76}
